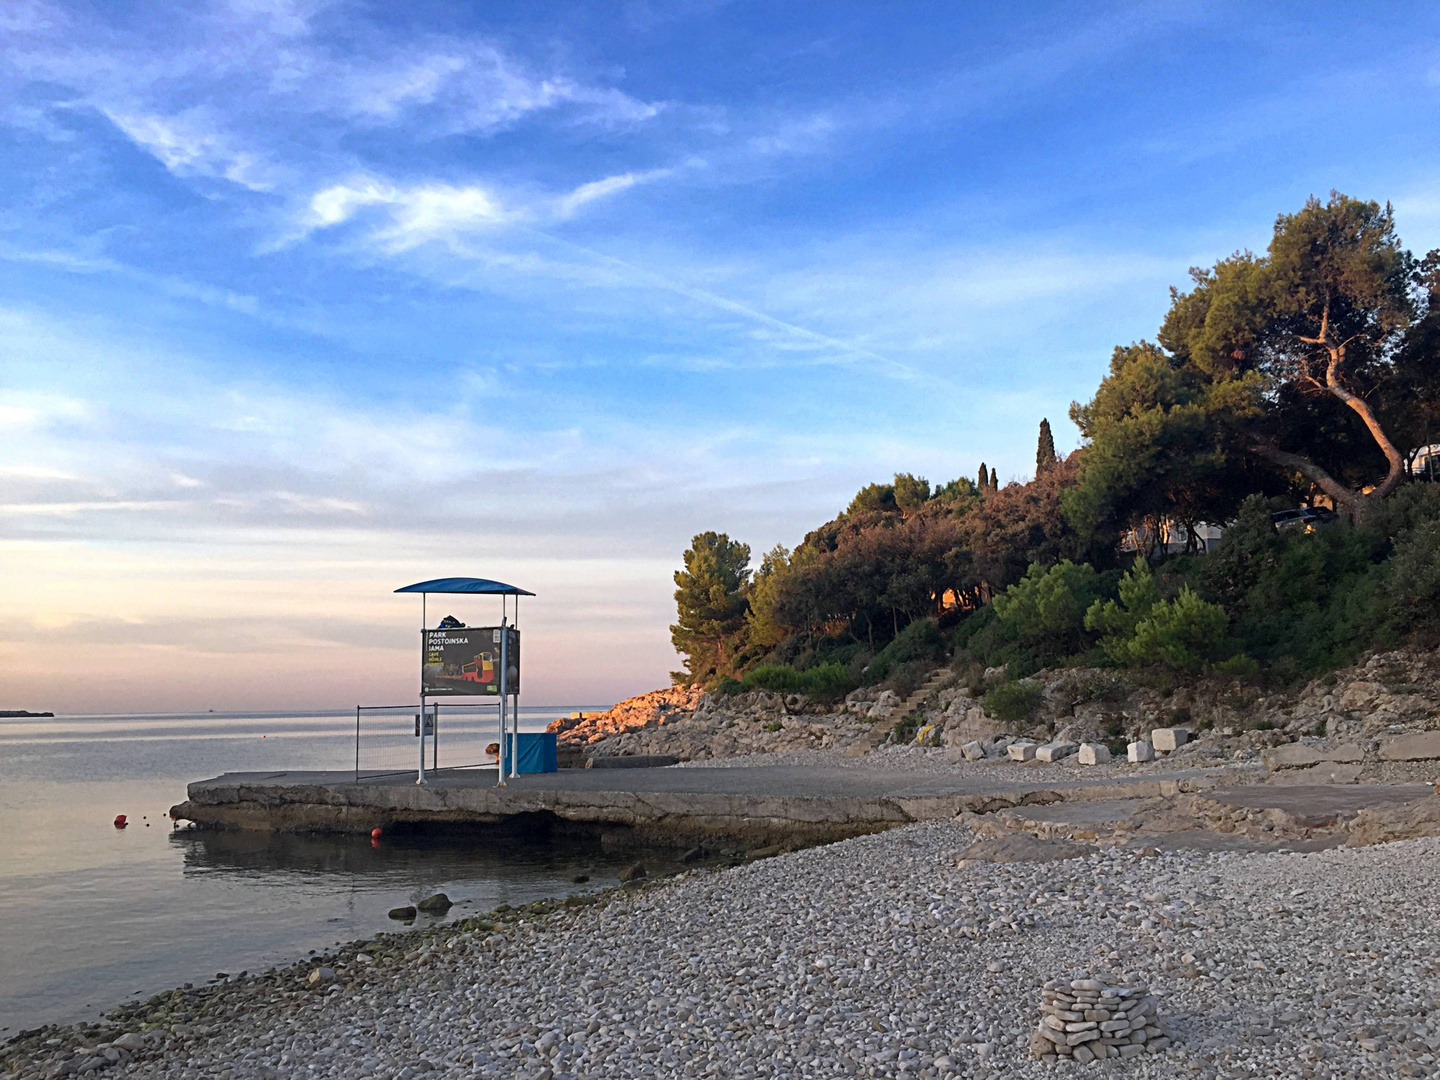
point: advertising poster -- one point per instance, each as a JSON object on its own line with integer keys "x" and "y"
{"x": 466, "y": 662}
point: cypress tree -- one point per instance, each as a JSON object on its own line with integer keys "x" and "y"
{"x": 984, "y": 481}
{"x": 1044, "y": 450}
{"x": 994, "y": 481}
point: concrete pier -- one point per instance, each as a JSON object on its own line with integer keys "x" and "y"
{"x": 750, "y": 805}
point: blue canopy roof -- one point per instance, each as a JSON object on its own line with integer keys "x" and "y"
{"x": 465, "y": 585}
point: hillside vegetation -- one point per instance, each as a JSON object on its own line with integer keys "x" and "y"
{"x": 1308, "y": 375}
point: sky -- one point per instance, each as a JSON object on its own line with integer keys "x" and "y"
{"x": 304, "y": 301}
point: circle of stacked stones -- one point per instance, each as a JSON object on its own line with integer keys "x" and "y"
{"x": 1087, "y": 1020}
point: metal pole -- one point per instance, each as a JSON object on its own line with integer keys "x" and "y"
{"x": 420, "y": 776}
{"x": 500, "y": 711}
{"x": 357, "y": 744}
{"x": 435, "y": 736}
{"x": 515, "y": 691}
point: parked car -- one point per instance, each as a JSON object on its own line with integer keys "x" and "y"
{"x": 1305, "y": 518}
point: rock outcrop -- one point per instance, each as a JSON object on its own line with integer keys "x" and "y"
{"x": 1386, "y": 708}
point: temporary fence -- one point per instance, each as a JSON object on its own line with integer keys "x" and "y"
{"x": 387, "y": 737}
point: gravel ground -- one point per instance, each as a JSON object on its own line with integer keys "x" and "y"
{"x": 876, "y": 957}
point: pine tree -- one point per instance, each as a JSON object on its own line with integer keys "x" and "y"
{"x": 994, "y": 481}
{"x": 711, "y": 604}
{"x": 983, "y": 483}
{"x": 1044, "y": 450}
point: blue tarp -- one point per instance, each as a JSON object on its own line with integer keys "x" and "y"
{"x": 537, "y": 752}
{"x": 465, "y": 585}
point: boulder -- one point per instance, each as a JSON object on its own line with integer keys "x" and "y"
{"x": 1094, "y": 754}
{"x": 633, "y": 872}
{"x": 1139, "y": 751}
{"x": 321, "y": 976}
{"x": 973, "y": 751}
{"x": 131, "y": 1041}
{"x": 1167, "y": 740}
{"x": 438, "y": 904}
{"x": 1421, "y": 746}
{"x": 1021, "y": 751}
{"x": 1054, "y": 751}
{"x": 406, "y": 912}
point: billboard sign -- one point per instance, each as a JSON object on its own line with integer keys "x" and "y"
{"x": 466, "y": 662}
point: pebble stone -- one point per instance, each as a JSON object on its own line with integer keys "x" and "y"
{"x": 877, "y": 957}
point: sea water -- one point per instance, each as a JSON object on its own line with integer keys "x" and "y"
{"x": 92, "y": 915}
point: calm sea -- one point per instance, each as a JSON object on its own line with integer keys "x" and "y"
{"x": 91, "y": 915}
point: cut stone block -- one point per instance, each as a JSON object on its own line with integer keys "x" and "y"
{"x": 1094, "y": 754}
{"x": 1169, "y": 739}
{"x": 1140, "y": 751}
{"x": 1021, "y": 751}
{"x": 1054, "y": 751}
{"x": 972, "y": 751}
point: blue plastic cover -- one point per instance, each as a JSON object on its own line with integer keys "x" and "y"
{"x": 465, "y": 585}
{"x": 536, "y": 752}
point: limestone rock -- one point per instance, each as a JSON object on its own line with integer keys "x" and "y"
{"x": 1291, "y": 756}
{"x": 321, "y": 976}
{"x": 973, "y": 751}
{"x": 633, "y": 872}
{"x": 1054, "y": 751}
{"x": 1140, "y": 751}
{"x": 1421, "y": 746}
{"x": 1167, "y": 740}
{"x": 438, "y": 904}
{"x": 1094, "y": 754}
{"x": 1021, "y": 751}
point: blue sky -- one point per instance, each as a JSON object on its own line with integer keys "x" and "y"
{"x": 303, "y": 301}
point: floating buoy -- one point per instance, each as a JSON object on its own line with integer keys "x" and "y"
{"x": 376, "y": 833}
{"x": 120, "y": 821}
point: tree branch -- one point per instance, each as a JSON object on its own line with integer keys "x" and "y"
{"x": 1338, "y": 492}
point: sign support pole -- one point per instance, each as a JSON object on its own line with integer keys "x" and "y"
{"x": 420, "y": 776}
{"x": 504, "y": 650}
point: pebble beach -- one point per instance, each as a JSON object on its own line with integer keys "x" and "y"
{"x": 885, "y": 956}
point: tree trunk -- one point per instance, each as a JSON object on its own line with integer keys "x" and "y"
{"x": 1335, "y": 382}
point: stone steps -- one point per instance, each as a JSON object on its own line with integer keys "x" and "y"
{"x": 881, "y": 731}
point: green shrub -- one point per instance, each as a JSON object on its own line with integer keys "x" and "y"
{"x": 921, "y": 640}
{"x": 728, "y": 687}
{"x": 1014, "y": 702}
{"x": 773, "y": 726}
{"x": 1414, "y": 584}
{"x": 1184, "y": 634}
{"x": 825, "y": 682}
{"x": 907, "y": 678}
{"x": 1045, "y": 610}
{"x": 1117, "y": 619}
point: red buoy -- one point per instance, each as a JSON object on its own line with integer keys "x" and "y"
{"x": 120, "y": 821}
{"x": 376, "y": 833}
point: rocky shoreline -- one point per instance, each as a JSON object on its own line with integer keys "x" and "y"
{"x": 893, "y": 955}
{"x": 1340, "y": 724}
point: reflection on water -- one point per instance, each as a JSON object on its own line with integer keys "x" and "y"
{"x": 282, "y": 859}
{"x": 91, "y": 915}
